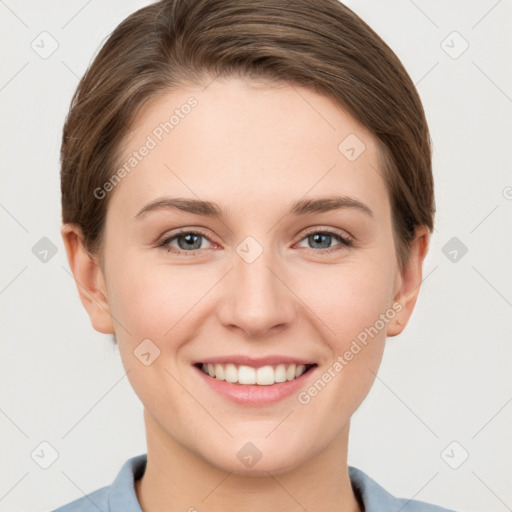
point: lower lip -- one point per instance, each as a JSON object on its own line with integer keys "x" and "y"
{"x": 253, "y": 395}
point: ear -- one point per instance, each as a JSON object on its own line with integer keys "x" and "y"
{"x": 89, "y": 279}
{"x": 409, "y": 282}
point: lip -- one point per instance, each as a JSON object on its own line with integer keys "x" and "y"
{"x": 252, "y": 394}
{"x": 255, "y": 362}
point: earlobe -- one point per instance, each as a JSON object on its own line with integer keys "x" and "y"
{"x": 89, "y": 279}
{"x": 409, "y": 282}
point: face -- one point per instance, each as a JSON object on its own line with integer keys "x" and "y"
{"x": 289, "y": 263}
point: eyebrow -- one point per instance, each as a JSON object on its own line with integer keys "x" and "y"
{"x": 210, "y": 209}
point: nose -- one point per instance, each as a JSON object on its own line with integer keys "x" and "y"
{"x": 256, "y": 298}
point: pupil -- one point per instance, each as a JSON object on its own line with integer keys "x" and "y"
{"x": 317, "y": 238}
{"x": 190, "y": 239}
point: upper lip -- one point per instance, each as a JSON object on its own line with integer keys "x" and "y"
{"x": 255, "y": 362}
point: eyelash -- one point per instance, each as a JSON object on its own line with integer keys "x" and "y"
{"x": 344, "y": 241}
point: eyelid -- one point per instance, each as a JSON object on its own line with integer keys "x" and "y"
{"x": 327, "y": 230}
{"x": 167, "y": 238}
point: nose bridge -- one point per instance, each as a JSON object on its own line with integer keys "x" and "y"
{"x": 256, "y": 300}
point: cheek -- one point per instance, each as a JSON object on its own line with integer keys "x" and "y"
{"x": 354, "y": 304}
{"x": 151, "y": 302}
{"x": 347, "y": 299}
{"x": 355, "y": 341}
{"x": 150, "y": 299}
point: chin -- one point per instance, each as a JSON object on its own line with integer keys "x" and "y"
{"x": 262, "y": 468}
{"x": 245, "y": 459}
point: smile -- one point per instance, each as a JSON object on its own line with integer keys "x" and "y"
{"x": 248, "y": 375}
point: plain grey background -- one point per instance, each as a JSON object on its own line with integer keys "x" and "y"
{"x": 436, "y": 425}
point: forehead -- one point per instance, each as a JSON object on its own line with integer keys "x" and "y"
{"x": 237, "y": 141}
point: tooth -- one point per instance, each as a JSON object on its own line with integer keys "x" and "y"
{"x": 290, "y": 373}
{"x": 231, "y": 373}
{"x": 280, "y": 375}
{"x": 246, "y": 375}
{"x": 219, "y": 372}
{"x": 301, "y": 368}
{"x": 265, "y": 376}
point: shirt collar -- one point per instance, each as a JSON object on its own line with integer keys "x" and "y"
{"x": 372, "y": 496}
{"x": 122, "y": 495}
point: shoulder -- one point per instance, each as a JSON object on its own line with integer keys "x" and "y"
{"x": 376, "y": 499}
{"x": 88, "y": 503}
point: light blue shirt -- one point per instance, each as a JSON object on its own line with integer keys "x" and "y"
{"x": 121, "y": 495}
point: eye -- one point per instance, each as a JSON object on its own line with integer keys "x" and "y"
{"x": 189, "y": 243}
{"x": 323, "y": 239}
{"x": 185, "y": 242}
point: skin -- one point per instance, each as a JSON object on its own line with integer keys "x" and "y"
{"x": 252, "y": 148}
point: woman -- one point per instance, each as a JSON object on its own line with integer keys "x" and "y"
{"x": 247, "y": 201}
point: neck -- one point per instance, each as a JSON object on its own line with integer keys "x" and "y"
{"x": 178, "y": 479}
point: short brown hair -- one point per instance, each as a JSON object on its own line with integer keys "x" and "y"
{"x": 321, "y": 45}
